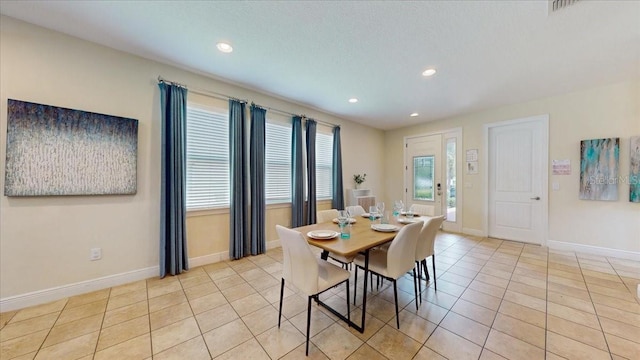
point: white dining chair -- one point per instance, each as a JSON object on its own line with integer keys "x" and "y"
{"x": 424, "y": 210}
{"x": 308, "y": 273}
{"x": 355, "y": 210}
{"x": 425, "y": 248}
{"x": 326, "y": 215}
{"x": 395, "y": 262}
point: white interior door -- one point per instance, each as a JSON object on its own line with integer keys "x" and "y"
{"x": 423, "y": 166}
{"x": 518, "y": 180}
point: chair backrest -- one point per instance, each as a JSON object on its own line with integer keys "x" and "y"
{"x": 401, "y": 253}
{"x": 300, "y": 266}
{"x": 326, "y": 215}
{"x": 427, "y": 237}
{"x": 428, "y": 210}
{"x": 355, "y": 210}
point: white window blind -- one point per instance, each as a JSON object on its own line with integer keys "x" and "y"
{"x": 324, "y": 165}
{"x": 277, "y": 163}
{"x": 207, "y": 158}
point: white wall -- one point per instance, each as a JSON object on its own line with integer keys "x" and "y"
{"x": 45, "y": 241}
{"x": 607, "y": 111}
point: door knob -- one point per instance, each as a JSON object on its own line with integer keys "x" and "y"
{"x": 535, "y": 198}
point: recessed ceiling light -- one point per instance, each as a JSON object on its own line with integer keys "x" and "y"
{"x": 414, "y": 114}
{"x": 224, "y": 47}
{"x": 353, "y": 100}
{"x": 429, "y": 72}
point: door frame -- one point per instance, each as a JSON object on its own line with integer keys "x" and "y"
{"x": 544, "y": 120}
{"x": 456, "y": 133}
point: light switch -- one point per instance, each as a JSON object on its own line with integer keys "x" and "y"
{"x": 555, "y": 186}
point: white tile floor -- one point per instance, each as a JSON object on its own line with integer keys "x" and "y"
{"x": 495, "y": 299}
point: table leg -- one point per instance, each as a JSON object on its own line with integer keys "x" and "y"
{"x": 364, "y": 295}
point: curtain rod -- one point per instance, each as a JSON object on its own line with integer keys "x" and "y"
{"x": 226, "y": 97}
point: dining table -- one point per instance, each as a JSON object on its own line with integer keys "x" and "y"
{"x": 361, "y": 240}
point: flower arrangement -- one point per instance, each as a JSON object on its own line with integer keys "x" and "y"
{"x": 359, "y": 179}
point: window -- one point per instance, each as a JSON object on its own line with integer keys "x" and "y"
{"x": 277, "y": 163}
{"x": 207, "y": 158}
{"x": 423, "y": 167}
{"x": 324, "y": 166}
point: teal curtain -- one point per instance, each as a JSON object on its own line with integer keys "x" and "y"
{"x": 337, "y": 201}
{"x": 257, "y": 159}
{"x": 239, "y": 241}
{"x": 297, "y": 174}
{"x": 173, "y": 242}
{"x": 311, "y": 171}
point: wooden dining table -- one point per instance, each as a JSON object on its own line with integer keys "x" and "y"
{"x": 363, "y": 238}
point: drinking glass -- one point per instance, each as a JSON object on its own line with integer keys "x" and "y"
{"x": 373, "y": 211}
{"x": 397, "y": 208}
{"x": 343, "y": 222}
{"x": 380, "y": 206}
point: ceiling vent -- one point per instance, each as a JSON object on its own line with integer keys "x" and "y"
{"x": 555, "y": 5}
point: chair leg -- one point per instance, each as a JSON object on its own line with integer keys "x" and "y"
{"x": 281, "y": 296}
{"x": 355, "y": 285}
{"x": 415, "y": 286}
{"x": 433, "y": 259}
{"x": 426, "y": 272}
{"x": 419, "y": 283}
{"x": 348, "y": 306}
{"x": 308, "y": 322}
{"x": 395, "y": 296}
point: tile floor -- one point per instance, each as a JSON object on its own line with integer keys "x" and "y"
{"x": 495, "y": 299}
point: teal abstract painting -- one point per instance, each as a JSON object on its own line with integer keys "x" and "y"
{"x": 55, "y": 151}
{"x": 599, "y": 169}
{"x": 634, "y": 170}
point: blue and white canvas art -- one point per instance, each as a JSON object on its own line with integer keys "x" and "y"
{"x": 634, "y": 170}
{"x": 58, "y": 151}
{"x": 599, "y": 169}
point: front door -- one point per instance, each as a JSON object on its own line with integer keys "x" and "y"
{"x": 517, "y": 179}
{"x": 423, "y": 165}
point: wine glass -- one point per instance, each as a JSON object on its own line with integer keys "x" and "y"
{"x": 343, "y": 217}
{"x": 380, "y": 206}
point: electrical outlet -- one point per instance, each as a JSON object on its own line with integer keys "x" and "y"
{"x": 95, "y": 254}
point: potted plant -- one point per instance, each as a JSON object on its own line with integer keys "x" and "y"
{"x": 359, "y": 179}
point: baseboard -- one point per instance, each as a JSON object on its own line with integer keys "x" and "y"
{"x": 596, "y": 250}
{"x": 474, "y": 232}
{"x": 83, "y": 287}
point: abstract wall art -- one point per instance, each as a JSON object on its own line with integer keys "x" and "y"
{"x": 599, "y": 169}
{"x": 58, "y": 151}
{"x": 634, "y": 170}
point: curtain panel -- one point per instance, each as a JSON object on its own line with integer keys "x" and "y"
{"x": 257, "y": 170}
{"x": 297, "y": 174}
{"x": 239, "y": 241}
{"x": 311, "y": 171}
{"x": 337, "y": 201}
{"x": 173, "y": 243}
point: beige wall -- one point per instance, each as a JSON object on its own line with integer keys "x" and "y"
{"x": 45, "y": 241}
{"x": 607, "y": 111}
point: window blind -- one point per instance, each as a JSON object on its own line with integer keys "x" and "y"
{"x": 277, "y": 163}
{"x": 207, "y": 159}
{"x": 324, "y": 166}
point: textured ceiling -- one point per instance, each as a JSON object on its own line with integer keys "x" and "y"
{"x": 321, "y": 53}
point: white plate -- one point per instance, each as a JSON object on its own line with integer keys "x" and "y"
{"x": 385, "y": 227}
{"x": 351, "y": 220}
{"x": 322, "y": 234}
{"x": 407, "y": 221}
{"x": 366, "y": 215}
